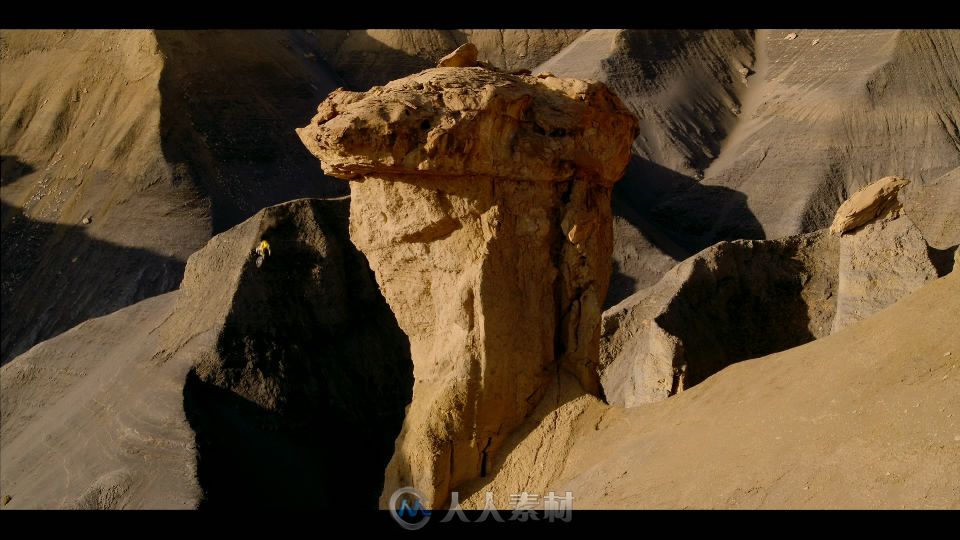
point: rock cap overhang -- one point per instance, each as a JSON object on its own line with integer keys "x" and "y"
{"x": 475, "y": 122}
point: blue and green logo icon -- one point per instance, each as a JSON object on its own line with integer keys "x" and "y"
{"x": 407, "y": 508}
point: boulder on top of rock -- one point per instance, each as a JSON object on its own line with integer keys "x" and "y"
{"x": 464, "y": 56}
{"x": 482, "y": 200}
{"x": 875, "y": 201}
{"x": 475, "y": 122}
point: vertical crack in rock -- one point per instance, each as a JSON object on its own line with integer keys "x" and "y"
{"x": 482, "y": 201}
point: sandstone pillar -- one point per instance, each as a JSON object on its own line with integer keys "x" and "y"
{"x": 482, "y": 201}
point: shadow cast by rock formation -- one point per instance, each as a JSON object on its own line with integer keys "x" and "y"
{"x": 685, "y": 210}
{"x": 754, "y": 305}
{"x": 247, "y": 455}
{"x": 92, "y": 278}
{"x": 621, "y": 285}
{"x": 310, "y": 377}
{"x": 943, "y": 259}
{"x": 374, "y": 63}
{"x": 230, "y": 101}
{"x": 677, "y": 216}
{"x": 12, "y": 169}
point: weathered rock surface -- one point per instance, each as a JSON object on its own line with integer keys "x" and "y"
{"x": 864, "y": 418}
{"x": 482, "y": 201}
{"x": 730, "y": 302}
{"x": 233, "y": 386}
{"x": 457, "y": 122}
{"x": 875, "y": 201}
{"x": 933, "y": 208}
{"x": 464, "y": 56}
{"x": 879, "y": 264}
{"x": 747, "y": 298}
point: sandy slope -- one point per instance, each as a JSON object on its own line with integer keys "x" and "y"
{"x": 245, "y": 382}
{"x": 774, "y": 153}
{"x": 866, "y": 418}
{"x": 159, "y": 138}
{"x": 90, "y": 419}
{"x": 823, "y": 120}
{"x": 80, "y": 137}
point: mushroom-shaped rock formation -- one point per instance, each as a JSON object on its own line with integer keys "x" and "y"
{"x": 482, "y": 201}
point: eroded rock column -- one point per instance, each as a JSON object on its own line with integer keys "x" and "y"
{"x": 482, "y": 201}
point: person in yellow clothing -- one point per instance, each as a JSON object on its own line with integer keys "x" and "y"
{"x": 262, "y": 251}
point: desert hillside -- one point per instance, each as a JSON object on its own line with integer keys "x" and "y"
{"x": 748, "y": 134}
{"x": 159, "y": 404}
{"x": 124, "y": 151}
{"x": 651, "y": 268}
{"x": 865, "y": 418}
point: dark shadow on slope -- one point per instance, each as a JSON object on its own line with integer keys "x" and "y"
{"x": 249, "y": 457}
{"x": 322, "y": 364}
{"x": 686, "y": 65}
{"x": 621, "y": 286}
{"x": 942, "y": 259}
{"x": 677, "y": 214}
{"x": 623, "y": 208}
{"x": 751, "y": 299}
{"x": 691, "y": 215}
{"x": 11, "y": 169}
{"x": 230, "y": 101}
{"x": 640, "y": 268}
{"x": 373, "y": 63}
{"x": 92, "y": 278}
